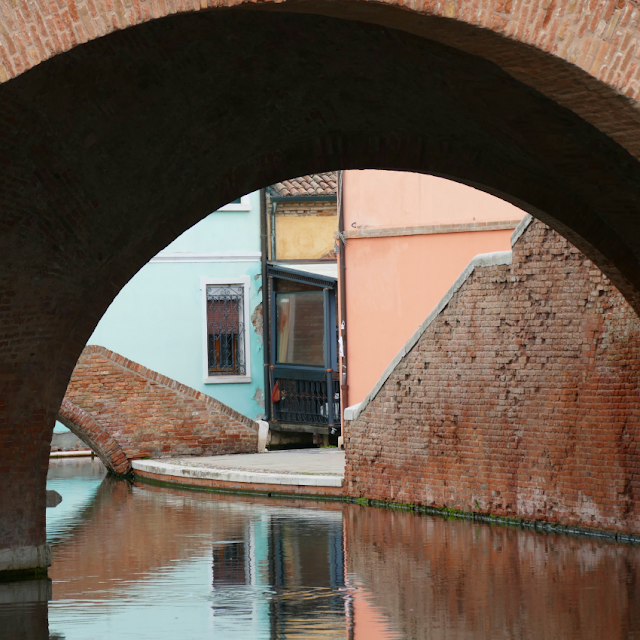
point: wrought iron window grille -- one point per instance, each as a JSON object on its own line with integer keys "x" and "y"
{"x": 225, "y": 330}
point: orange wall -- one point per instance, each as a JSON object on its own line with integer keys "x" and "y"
{"x": 397, "y": 199}
{"x": 393, "y": 283}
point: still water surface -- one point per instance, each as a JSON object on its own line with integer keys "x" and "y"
{"x": 142, "y": 562}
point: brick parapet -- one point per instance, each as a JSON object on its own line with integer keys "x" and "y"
{"x": 158, "y": 378}
{"x": 111, "y": 399}
{"x": 520, "y": 399}
{"x": 294, "y": 209}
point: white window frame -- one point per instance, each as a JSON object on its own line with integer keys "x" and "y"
{"x": 243, "y": 205}
{"x": 245, "y": 282}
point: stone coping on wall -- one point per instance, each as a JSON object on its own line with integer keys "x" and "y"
{"x": 433, "y": 229}
{"x": 521, "y": 228}
{"x": 482, "y": 260}
{"x": 25, "y": 559}
{"x": 188, "y": 471}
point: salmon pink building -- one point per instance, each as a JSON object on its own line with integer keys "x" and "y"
{"x": 407, "y": 238}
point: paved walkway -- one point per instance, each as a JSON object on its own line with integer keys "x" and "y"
{"x": 293, "y": 469}
{"x": 328, "y": 462}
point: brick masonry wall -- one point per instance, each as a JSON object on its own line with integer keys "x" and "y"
{"x": 520, "y": 399}
{"x": 95, "y": 436}
{"x": 307, "y": 209}
{"x": 144, "y": 414}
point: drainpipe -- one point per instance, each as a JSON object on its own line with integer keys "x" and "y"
{"x": 274, "y": 206}
{"x": 342, "y": 243}
{"x": 264, "y": 248}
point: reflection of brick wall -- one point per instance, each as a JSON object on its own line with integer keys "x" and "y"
{"x": 520, "y": 399}
{"x": 155, "y": 529}
{"x": 150, "y": 415}
{"x": 130, "y": 545}
{"x": 438, "y": 579}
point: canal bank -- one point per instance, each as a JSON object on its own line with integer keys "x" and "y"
{"x": 156, "y": 563}
{"x": 317, "y": 473}
{"x": 300, "y": 472}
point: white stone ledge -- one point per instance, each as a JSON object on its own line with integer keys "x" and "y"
{"x": 20, "y": 558}
{"x": 521, "y": 228}
{"x": 238, "y": 256}
{"x": 427, "y": 230}
{"x": 71, "y": 454}
{"x": 350, "y": 412}
{"x": 235, "y": 475}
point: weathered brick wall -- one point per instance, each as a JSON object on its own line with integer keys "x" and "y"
{"x": 520, "y": 399}
{"x": 307, "y": 209}
{"x": 146, "y": 414}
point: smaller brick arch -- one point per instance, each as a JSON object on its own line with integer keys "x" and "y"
{"x": 85, "y": 427}
{"x": 125, "y": 411}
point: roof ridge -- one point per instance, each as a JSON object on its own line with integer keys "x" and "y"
{"x": 312, "y": 184}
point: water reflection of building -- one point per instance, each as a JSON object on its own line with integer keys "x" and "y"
{"x": 229, "y": 563}
{"x": 288, "y": 571}
{"x": 439, "y": 579}
{"x": 189, "y": 564}
{"x": 183, "y": 564}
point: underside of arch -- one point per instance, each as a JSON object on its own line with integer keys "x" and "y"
{"x": 113, "y": 149}
{"x": 89, "y": 430}
{"x": 126, "y": 141}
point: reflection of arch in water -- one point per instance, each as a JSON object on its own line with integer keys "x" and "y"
{"x": 89, "y": 430}
{"x": 135, "y": 534}
{"x": 93, "y": 500}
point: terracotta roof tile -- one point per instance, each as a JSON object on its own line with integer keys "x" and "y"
{"x": 316, "y": 184}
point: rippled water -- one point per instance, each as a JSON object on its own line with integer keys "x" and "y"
{"x": 142, "y": 562}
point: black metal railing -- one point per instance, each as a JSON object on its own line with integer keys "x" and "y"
{"x": 306, "y": 402}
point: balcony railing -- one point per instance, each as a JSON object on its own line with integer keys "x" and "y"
{"x": 306, "y": 402}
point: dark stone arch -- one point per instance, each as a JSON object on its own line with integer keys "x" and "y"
{"x": 85, "y": 427}
{"x": 114, "y": 148}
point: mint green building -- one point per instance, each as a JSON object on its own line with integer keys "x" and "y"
{"x": 194, "y": 313}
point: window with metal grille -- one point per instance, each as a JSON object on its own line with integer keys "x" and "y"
{"x": 225, "y": 330}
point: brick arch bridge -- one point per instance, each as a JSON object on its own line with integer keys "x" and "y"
{"x": 91, "y": 432}
{"x": 124, "y": 411}
{"x": 122, "y": 124}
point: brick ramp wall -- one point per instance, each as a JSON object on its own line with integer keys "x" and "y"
{"x": 519, "y": 399}
{"x": 147, "y": 414}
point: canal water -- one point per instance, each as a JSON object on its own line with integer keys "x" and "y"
{"x": 136, "y": 561}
